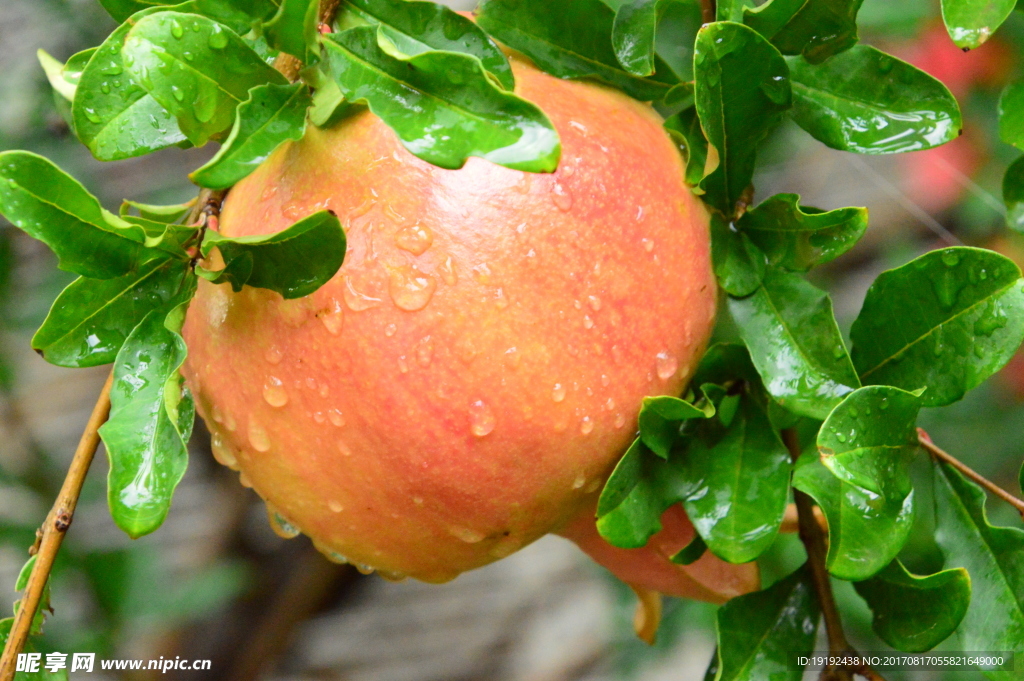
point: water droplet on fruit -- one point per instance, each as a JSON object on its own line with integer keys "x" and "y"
{"x": 467, "y": 535}
{"x": 605, "y": 381}
{"x": 244, "y": 480}
{"x": 222, "y": 452}
{"x": 424, "y": 351}
{"x": 390, "y": 330}
{"x": 258, "y": 437}
{"x": 481, "y": 419}
{"x": 414, "y": 238}
{"x": 403, "y": 366}
{"x": 587, "y": 425}
{"x": 363, "y": 569}
{"x": 335, "y": 506}
{"x": 280, "y": 525}
{"x": 667, "y": 365}
{"x": 588, "y": 323}
{"x": 273, "y": 354}
{"x": 558, "y": 392}
{"x": 483, "y": 274}
{"x": 609, "y": 404}
{"x": 418, "y": 501}
{"x": 579, "y": 481}
{"x": 594, "y": 302}
{"x": 357, "y": 301}
{"x": 447, "y": 270}
{"x": 333, "y": 318}
{"x": 561, "y": 197}
{"x": 344, "y": 448}
{"x": 336, "y": 417}
{"x": 620, "y": 420}
{"x": 410, "y": 288}
{"x": 319, "y": 417}
{"x": 500, "y": 299}
{"x": 647, "y": 244}
{"x": 274, "y": 392}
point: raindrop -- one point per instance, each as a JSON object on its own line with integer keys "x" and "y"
{"x": 333, "y": 318}
{"x": 273, "y": 354}
{"x": 218, "y": 39}
{"x": 258, "y": 437}
{"x": 344, "y": 448}
{"x": 588, "y": 323}
{"x": 620, "y": 420}
{"x": 667, "y": 365}
{"x": 514, "y": 357}
{"x": 950, "y": 258}
{"x": 424, "y": 352}
{"x": 483, "y": 274}
{"x": 840, "y": 437}
{"x": 356, "y": 300}
{"x": 595, "y": 303}
{"x": 222, "y": 452}
{"x": 403, "y": 365}
{"x": 465, "y": 534}
{"x": 274, "y": 393}
{"x": 561, "y": 197}
{"x": 447, "y": 271}
{"x": 177, "y": 93}
{"x": 390, "y": 330}
{"x": 579, "y": 481}
{"x": 176, "y": 30}
{"x": 558, "y": 392}
{"x": 411, "y": 289}
{"x": 647, "y": 244}
{"x": 609, "y": 404}
{"x": 335, "y": 506}
{"x": 415, "y": 238}
{"x": 280, "y": 525}
{"x": 319, "y": 417}
{"x": 92, "y": 116}
{"x": 481, "y": 419}
{"x": 336, "y": 417}
{"x": 587, "y": 425}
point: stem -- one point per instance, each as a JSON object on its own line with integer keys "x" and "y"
{"x": 52, "y": 533}
{"x": 926, "y": 442}
{"x": 708, "y": 11}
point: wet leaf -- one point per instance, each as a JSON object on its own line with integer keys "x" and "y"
{"x": 91, "y": 319}
{"x": 270, "y": 116}
{"x": 633, "y": 35}
{"x": 574, "y": 42}
{"x": 50, "y": 205}
{"x": 1011, "y": 115}
{"x": 156, "y": 213}
{"x": 1013, "y": 195}
{"x": 795, "y": 344}
{"x": 294, "y": 262}
{"x": 691, "y": 553}
{"x": 150, "y": 420}
{"x": 914, "y": 613}
{"x": 738, "y": 263}
{"x": 661, "y": 417}
{"x": 760, "y": 634}
{"x": 416, "y": 27}
{"x": 732, "y": 10}
{"x": 800, "y": 237}
{"x": 442, "y": 105}
{"x": 817, "y": 29}
{"x": 196, "y": 68}
{"x": 945, "y": 321}
{"x": 122, "y": 9}
{"x": 294, "y": 28}
{"x": 994, "y": 558}
{"x": 870, "y": 439}
{"x": 971, "y": 22}
{"x": 55, "y": 74}
{"x": 44, "y": 600}
{"x": 684, "y": 127}
{"x": 865, "y": 530}
{"x": 869, "y": 102}
{"x": 742, "y": 89}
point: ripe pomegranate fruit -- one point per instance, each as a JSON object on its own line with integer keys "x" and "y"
{"x": 467, "y": 381}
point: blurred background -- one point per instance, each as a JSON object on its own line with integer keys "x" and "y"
{"x": 215, "y": 582}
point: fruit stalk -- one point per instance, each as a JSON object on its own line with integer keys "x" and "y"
{"x": 926, "y": 442}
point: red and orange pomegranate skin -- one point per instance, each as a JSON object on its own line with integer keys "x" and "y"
{"x": 467, "y": 381}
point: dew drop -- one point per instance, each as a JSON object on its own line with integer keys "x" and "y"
{"x": 274, "y": 393}
{"x": 335, "y": 506}
{"x": 483, "y": 273}
{"x": 950, "y": 258}
{"x": 218, "y": 40}
{"x": 280, "y": 525}
{"x": 647, "y": 244}
{"x": 324, "y": 390}
{"x": 258, "y": 437}
{"x": 244, "y": 480}
{"x": 357, "y": 301}
{"x": 222, "y": 452}
{"x": 390, "y": 330}
{"x": 481, "y": 419}
{"x": 363, "y": 568}
{"x": 620, "y": 420}
{"x": 319, "y": 417}
{"x": 177, "y": 93}
{"x": 424, "y": 352}
{"x": 561, "y": 197}
{"x": 447, "y": 270}
{"x": 609, "y": 404}
{"x": 333, "y": 318}
{"x": 403, "y": 365}
{"x": 336, "y": 417}
{"x": 92, "y": 116}
{"x": 344, "y": 448}
{"x": 176, "y": 30}
{"x": 605, "y": 381}
{"x": 667, "y": 365}
{"x": 840, "y": 437}
{"x": 579, "y": 481}
{"x": 465, "y": 534}
{"x": 558, "y": 392}
{"x": 587, "y": 425}
{"x": 273, "y": 354}
{"x": 414, "y": 238}
{"x": 594, "y": 302}
{"x": 410, "y": 288}
{"x": 588, "y": 323}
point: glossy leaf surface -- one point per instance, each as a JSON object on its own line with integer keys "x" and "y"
{"x": 196, "y": 68}
{"x": 800, "y": 237}
{"x": 817, "y": 29}
{"x": 633, "y": 35}
{"x": 574, "y": 42}
{"x": 1013, "y": 195}
{"x": 685, "y": 130}
{"x": 945, "y": 321}
{"x": 54, "y": 71}
{"x": 294, "y": 28}
{"x": 738, "y": 263}
{"x": 661, "y": 417}
{"x": 150, "y": 420}
{"x": 294, "y": 262}
{"x": 869, "y": 102}
{"x": 691, "y": 553}
{"x": 760, "y": 634}
{"x": 742, "y": 89}
{"x": 156, "y": 213}
{"x": 1011, "y": 115}
{"x": 272, "y": 115}
{"x": 732, "y": 10}
{"x": 914, "y": 613}
{"x": 795, "y": 344}
{"x": 971, "y": 22}
{"x": 442, "y": 105}
{"x": 994, "y": 558}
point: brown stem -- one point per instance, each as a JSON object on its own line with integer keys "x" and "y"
{"x": 53, "y": 531}
{"x": 926, "y": 442}
{"x": 708, "y": 11}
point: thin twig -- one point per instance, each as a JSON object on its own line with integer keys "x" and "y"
{"x": 926, "y": 442}
{"x": 708, "y": 11}
{"x": 53, "y": 531}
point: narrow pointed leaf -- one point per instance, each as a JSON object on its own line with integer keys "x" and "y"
{"x": 156, "y": 213}
{"x": 817, "y": 29}
{"x": 795, "y": 344}
{"x": 294, "y": 262}
{"x": 1011, "y": 115}
{"x": 574, "y": 42}
{"x": 914, "y": 613}
{"x": 994, "y": 557}
{"x": 91, "y": 319}
{"x": 685, "y": 130}
{"x": 742, "y": 89}
{"x": 945, "y": 321}
{"x": 417, "y": 27}
{"x": 442, "y": 105}
{"x": 691, "y": 553}
{"x": 150, "y": 417}
{"x": 971, "y": 22}
{"x": 1013, "y": 195}
{"x": 50, "y": 205}
{"x": 54, "y": 71}
{"x": 869, "y": 102}
{"x": 800, "y": 237}
{"x": 761, "y": 634}
{"x": 661, "y": 417}
{"x": 738, "y": 263}
{"x": 272, "y": 115}
{"x": 294, "y": 28}
{"x": 633, "y": 35}
{"x": 196, "y": 68}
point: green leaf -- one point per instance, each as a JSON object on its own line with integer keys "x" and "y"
{"x": 945, "y": 321}
{"x": 55, "y": 74}
{"x": 684, "y": 127}
{"x": 574, "y": 42}
{"x": 869, "y": 102}
{"x": 163, "y": 214}
{"x": 971, "y": 22}
{"x": 865, "y": 530}
{"x": 195, "y": 68}
{"x": 122, "y": 9}
{"x": 913, "y": 613}
{"x": 417, "y": 27}
{"x": 761, "y": 634}
{"x": 294, "y": 262}
{"x": 50, "y": 205}
{"x": 1011, "y": 115}
{"x": 740, "y": 478}
{"x": 633, "y": 35}
{"x": 150, "y": 418}
{"x": 870, "y": 439}
{"x": 691, "y": 553}
{"x": 294, "y": 28}
{"x": 113, "y": 116}
{"x": 795, "y": 344}
{"x": 272, "y": 115}
{"x": 44, "y": 601}
{"x": 817, "y": 29}
{"x": 742, "y": 89}
{"x": 994, "y": 557}
{"x": 739, "y": 265}
{"x": 1013, "y": 195}
{"x": 90, "y": 320}
{"x": 799, "y": 237}
{"x": 661, "y": 417}
{"x": 732, "y": 10}
{"x": 442, "y": 105}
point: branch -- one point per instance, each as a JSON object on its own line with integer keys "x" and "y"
{"x": 708, "y": 11}
{"x": 926, "y": 442}
{"x": 52, "y": 534}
